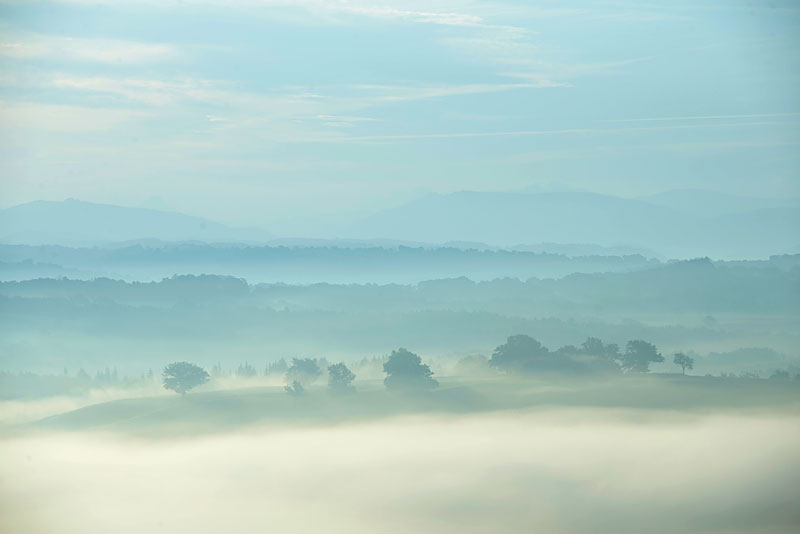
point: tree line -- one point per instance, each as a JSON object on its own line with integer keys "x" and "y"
{"x": 519, "y": 355}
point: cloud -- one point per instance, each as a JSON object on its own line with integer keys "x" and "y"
{"x": 710, "y": 117}
{"x": 345, "y": 119}
{"x": 535, "y": 69}
{"x": 148, "y": 91}
{"x": 448, "y": 19}
{"x": 434, "y": 12}
{"x": 384, "y": 93}
{"x": 110, "y": 51}
{"x": 337, "y": 121}
{"x": 65, "y": 118}
{"x": 571, "y": 131}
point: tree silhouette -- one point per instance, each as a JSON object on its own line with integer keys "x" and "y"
{"x": 339, "y": 378}
{"x": 638, "y": 356}
{"x": 405, "y": 370}
{"x": 296, "y": 389}
{"x": 246, "y": 371}
{"x": 278, "y": 367}
{"x": 595, "y": 347}
{"x": 303, "y": 370}
{"x": 183, "y": 376}
{"x": 517, "y": 352}
{"x": 686, "y": 362}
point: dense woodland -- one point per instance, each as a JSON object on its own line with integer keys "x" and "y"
{"x": 732, "y": 317}
{"x": 309, "y": 264}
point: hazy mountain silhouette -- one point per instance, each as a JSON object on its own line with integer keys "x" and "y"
{"x": 73, "y": 222}
{"x": 506, "y": 218}
{"x": 706, "y": 203}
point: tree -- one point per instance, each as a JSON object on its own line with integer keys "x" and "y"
{"x": 517, "y": 352}
{"x": 246, "y": 371}
{"x": 296, "y": 389}
{"x": 339, "y": 378}
{"x": 524, "y": 354}
{"x": 638, "y": 356}
{"x": 595, "y": 347}
{"x": 303, "y": 370}
{"x": 405, "y": 370}
{"x": 686, "y": 362}
{"x": 183, "y": 376}
{"x": 276, "y": 368}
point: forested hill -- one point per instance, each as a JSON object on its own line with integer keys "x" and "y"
{"x": 300, "y": 264}
{"x": 695, "y": 285}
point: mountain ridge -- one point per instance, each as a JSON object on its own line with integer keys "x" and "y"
{"x": 505, "y": 218}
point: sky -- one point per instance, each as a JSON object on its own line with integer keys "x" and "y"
{"x": 253, "y": 112}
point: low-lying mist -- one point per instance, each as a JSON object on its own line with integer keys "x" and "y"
{"x": 550, "y": 471}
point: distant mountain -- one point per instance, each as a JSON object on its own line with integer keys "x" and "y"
{"x": 706, "y": 203}
{"x": 763, "y": 231}
{"x": 507, "y": 218}
{"x": 73, "y": 222}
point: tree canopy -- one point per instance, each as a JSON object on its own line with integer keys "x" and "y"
{"x": 685, "y": 362}
{"x": 183, "y": 376}
{"x": 517, "y": 352}
{"x": 405, "y": 370}
{"x": 340, "y": 377}
{"x": 523, "y": 353}
{"x": 639, "y": 355}
{"x": 595, "y": 347}
{"x": 303, "y": 370}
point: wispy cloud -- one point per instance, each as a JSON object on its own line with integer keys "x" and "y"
{"x": 399, "y": 93}
{"x": 65, "y": 118}
{"x": 710, "y": 117}
{"x": 570, "y": 131}
{"x": 148, "y": 91}
{"x": 448, "y": 19}
{"x": 535, "y": 69}
{"x": 343, "y": 121}
{"x": 110, "y": 51}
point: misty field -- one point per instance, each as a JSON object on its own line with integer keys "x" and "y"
{"x": 639, "y": 455}
{"x": 399, "y": 267}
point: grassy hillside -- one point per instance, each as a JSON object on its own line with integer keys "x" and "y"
{"x": 212, "y": 411}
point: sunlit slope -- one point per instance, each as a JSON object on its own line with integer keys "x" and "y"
{"x": 202, "y": 411}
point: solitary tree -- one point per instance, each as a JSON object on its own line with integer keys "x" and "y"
{"x": 638, "y": 356}
{"x": 183, "y": 376}
{"x": 405, "y": 370}
{"x": 339, "y": 378}
{"x": 686, "y": 362}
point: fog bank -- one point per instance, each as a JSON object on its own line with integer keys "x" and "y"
{"x": 552, "y": 471}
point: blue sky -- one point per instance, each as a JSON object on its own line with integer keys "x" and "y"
{"x": 258, "y": 112}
